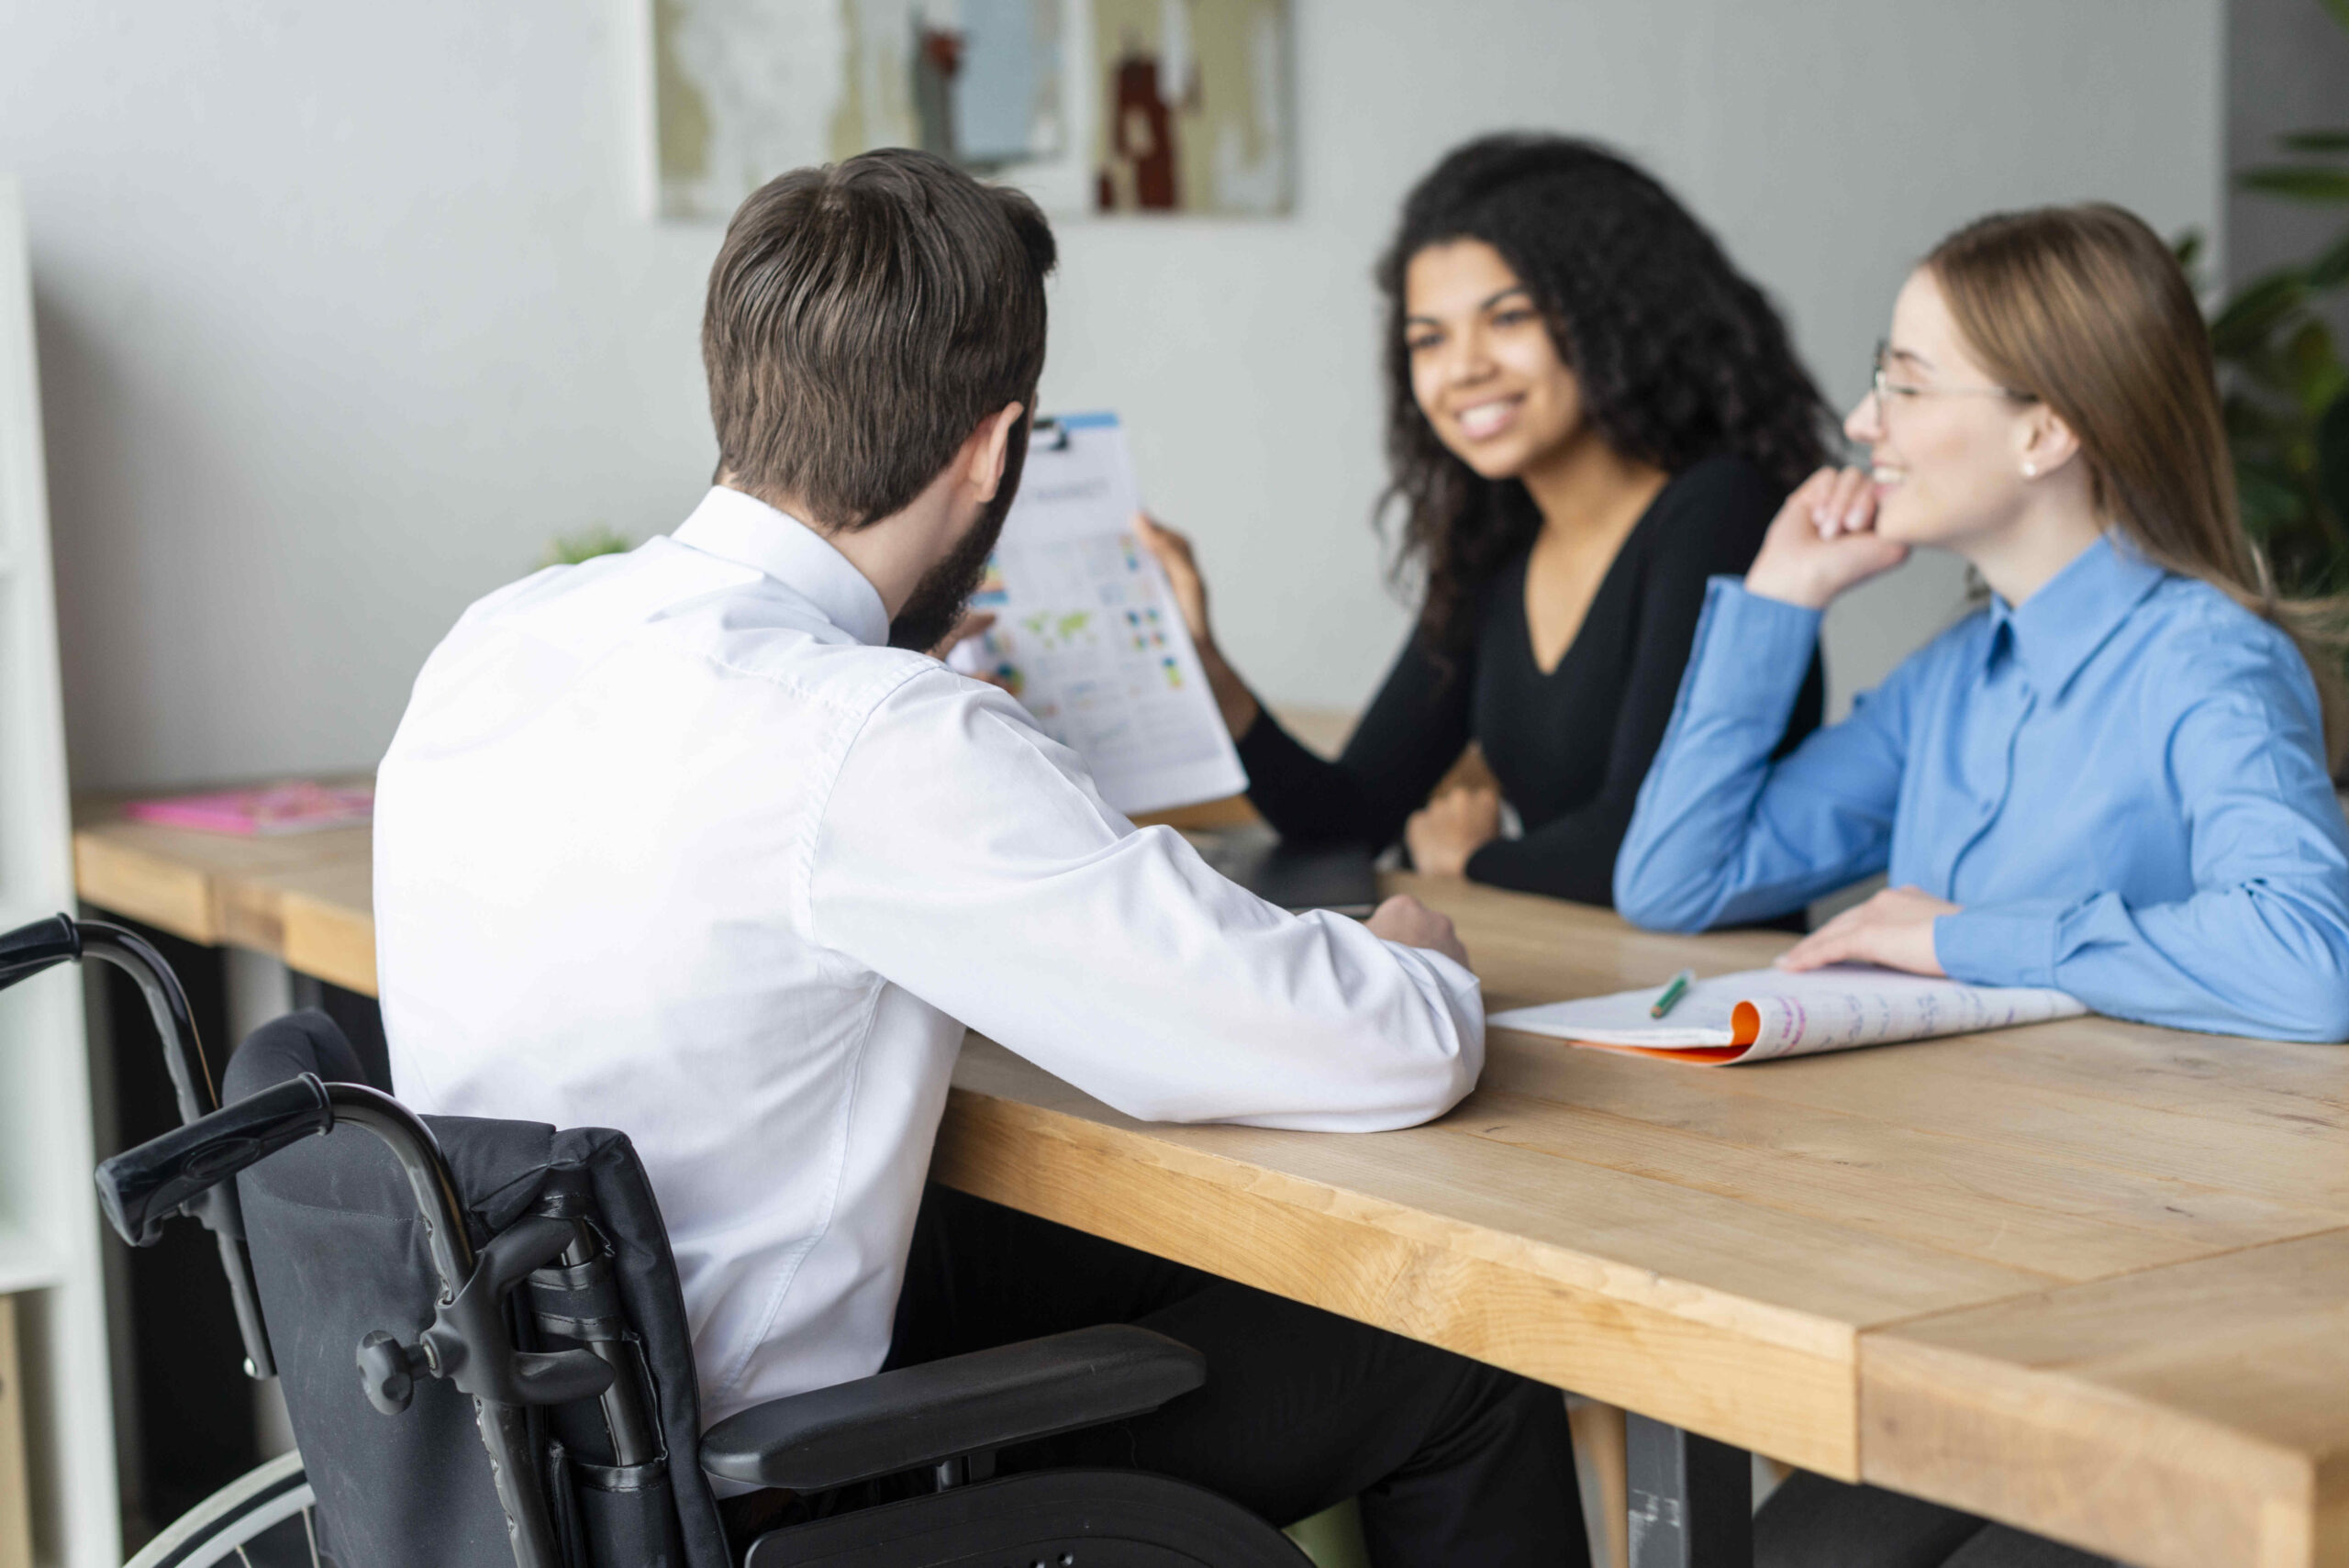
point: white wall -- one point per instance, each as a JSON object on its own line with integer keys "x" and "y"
{"x": 345, "y": 310}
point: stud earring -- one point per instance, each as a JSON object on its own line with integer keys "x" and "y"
{"x": 2030, "y": 471}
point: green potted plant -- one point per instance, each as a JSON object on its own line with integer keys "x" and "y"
{"x": 570, "y": 550}
{"x": 2285, "y": 388}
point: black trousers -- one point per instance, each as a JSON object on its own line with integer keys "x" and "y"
{"x": 1812, "y": 1522}
{"x": 1456, "y": 1463}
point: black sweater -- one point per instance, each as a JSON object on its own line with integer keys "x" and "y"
{"x": 1569, "y": 747}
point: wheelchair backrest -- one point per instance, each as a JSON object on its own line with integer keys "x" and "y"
{"x": 338, "y": 1252}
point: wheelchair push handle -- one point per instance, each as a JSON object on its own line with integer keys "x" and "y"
{"x": 30, "y": 950}
{"x": 140, "y": 1189}
{"x": 44, "y": 944}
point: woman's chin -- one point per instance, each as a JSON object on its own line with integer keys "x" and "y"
{"x": 1494, "y": 461}
{"x": 1901, "y": 524}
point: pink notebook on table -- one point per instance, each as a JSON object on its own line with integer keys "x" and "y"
{"x": 298, "y": 807}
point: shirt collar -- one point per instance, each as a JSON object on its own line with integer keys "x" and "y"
{"x": 2056, "y": 631}
{"x": 743, "y": 528}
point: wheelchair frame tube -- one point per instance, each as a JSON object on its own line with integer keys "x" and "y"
{"x": 193, "y": 1088}
{"x": 626, "y": 1421}
{"x": 505, "y": 1428}
{"x": 426, "y": 1170}
{"x": 167, "y": 1004}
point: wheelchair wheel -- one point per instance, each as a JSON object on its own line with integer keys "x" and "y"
{"x": 265, "y": 1518}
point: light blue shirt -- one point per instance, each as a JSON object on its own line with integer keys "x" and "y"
{"x": 2122, "y": 780}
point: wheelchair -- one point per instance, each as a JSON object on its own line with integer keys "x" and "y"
{"x": 483, "y": 1351}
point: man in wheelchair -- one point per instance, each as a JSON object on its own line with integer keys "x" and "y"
{"x": 701, "y": 844}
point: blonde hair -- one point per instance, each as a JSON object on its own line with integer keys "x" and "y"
{"x": 2086, "y": 310}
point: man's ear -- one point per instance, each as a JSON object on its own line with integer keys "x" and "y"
{"x": 2047, "y": 442}
{"x": 990, "y": 449}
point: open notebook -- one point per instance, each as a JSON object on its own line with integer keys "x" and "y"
{"x": 1762, "y": 1013}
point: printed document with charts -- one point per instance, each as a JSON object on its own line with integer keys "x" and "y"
{"x": 1086, "y": 635}
{"x": 1763, "y": 1013}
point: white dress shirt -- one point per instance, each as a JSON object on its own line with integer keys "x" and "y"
{"x": 671, "y": 842}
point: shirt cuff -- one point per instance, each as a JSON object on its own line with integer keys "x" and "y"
{"x": 1752, "y": 653}
{"x": 2010, "y": 944}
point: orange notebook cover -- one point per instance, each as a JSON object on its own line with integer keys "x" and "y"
{"x": 1759, "y": 1014}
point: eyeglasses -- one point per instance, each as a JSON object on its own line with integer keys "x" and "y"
{"x": 1886, "y": 388}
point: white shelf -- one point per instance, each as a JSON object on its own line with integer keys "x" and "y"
{"x": 26, "y": 1265}
{"x": 49, "y": 1240}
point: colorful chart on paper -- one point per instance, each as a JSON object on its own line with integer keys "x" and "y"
{"x": 1086, "y": 635}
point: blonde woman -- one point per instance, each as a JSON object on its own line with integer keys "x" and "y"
{"x": 2111, "y": 779}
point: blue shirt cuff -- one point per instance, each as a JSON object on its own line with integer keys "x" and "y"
{"x": 2010, "y": 944}
{"x": 1752, "y": 653}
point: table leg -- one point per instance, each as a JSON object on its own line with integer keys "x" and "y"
{"x": 1692, "y": 1498}
{"x": 1599, "y": 1443}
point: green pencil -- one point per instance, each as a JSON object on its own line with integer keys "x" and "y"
{"x": 1672, "y": 993}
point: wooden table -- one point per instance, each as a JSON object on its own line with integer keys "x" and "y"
{"x": 2089, "y": 1278}
{"x": 308, "y": 898}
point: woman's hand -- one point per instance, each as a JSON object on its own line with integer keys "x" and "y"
{"x": 1232, "y": 698}
{"x": 1443, "y": 834}
{"x": 973, "y": 623}
{"x": 1894, "y": 928}
{"x": 1823, "y": 541}
{"x": 1173, "y": 552}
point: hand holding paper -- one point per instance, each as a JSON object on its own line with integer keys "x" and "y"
{"x": 1086, "y": 631}
{"x": 1232, "y": 697}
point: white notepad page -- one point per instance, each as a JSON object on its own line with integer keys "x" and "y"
{"x": 1086, "y": 633}
{"x": 1835, "y": 1008}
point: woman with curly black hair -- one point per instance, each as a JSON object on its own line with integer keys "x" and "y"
{"x": 1589, "y": 412}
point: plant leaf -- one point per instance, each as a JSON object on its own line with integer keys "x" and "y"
{"x": 2316, "y": 141}
{"x": 2268, "y": 380}
{"x": 2301, "y": 183}
{"x": 2331, "y": 268}
{"x": 2261, "y": 397}
{"x": 2188, "y": 249}
{"x": 2243, "y": 323}
{"x": 2317, "y": 370}
{"x": 2261, "y": 444}
{"x": 2253, "y": 418}
{"x": 2324, "y": 386}
{"x": 2340, "y": 9}
{"x": 570, "y": 550}
{"x": 2333, "y": 456}
{"x": 2310, "y": 360}
{"x": 2269, "y": 506}
{"x": 2265, "y": 470}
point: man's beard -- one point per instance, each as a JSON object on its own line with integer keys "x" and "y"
{"x": 944, "y": 592}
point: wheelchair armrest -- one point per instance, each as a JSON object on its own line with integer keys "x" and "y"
{"x": 964, "y": 1404}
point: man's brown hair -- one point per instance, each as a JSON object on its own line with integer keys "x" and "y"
{"x": 864, "y": 318}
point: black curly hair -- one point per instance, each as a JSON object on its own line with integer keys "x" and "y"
{"x": 1678, "y": 355}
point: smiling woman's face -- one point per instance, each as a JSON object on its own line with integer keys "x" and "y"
{"x": 1943, "y": 441}
{"x": 1484, "y": 368}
